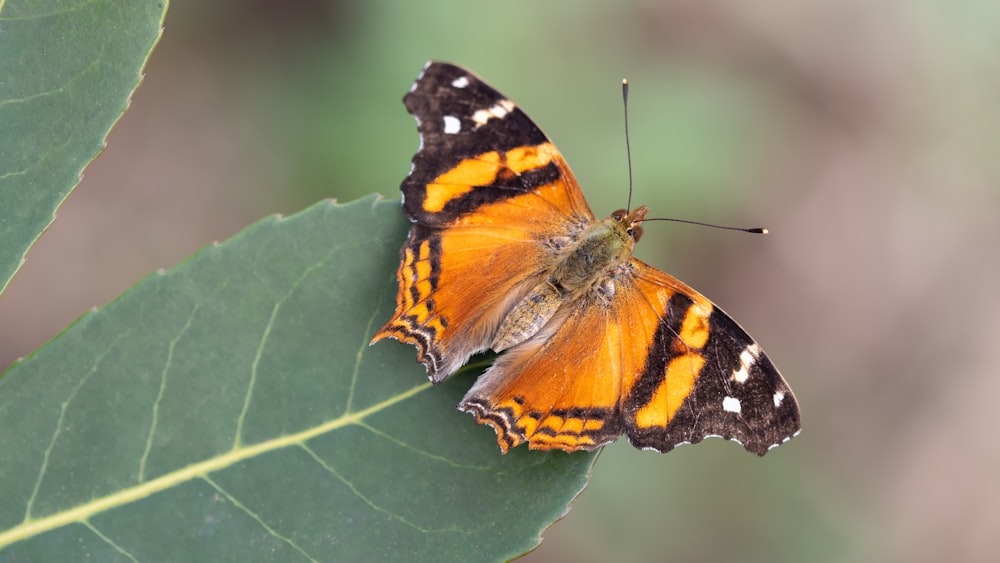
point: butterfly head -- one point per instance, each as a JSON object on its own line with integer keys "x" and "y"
{"x": 631, "y": 221}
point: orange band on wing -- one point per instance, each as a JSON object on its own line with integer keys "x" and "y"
{"x": 671, "y": 375}
{"x": 483, "y": 170}
{"x": 523, "y": 159}
{"x": 462, "y": 179}
{"x": 681, "y": 374}
{"x": 694, "y": 330}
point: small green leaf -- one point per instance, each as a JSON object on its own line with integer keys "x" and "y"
{"x": 67, "y": 69}
{"x": 231, "y": 409}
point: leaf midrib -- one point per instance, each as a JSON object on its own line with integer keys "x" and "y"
{"x": 82, "y": 512}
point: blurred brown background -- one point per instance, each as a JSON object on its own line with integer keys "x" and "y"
{"x": 863, "y": 134}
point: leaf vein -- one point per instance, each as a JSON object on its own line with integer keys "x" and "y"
{"x": 374, "y": 506}
{"x": 57, "y": 431}
{"x": 61, "y": 88}
{"x": 49, "y": 14}
{"x": 359, "y": 356}
{"x": 159, "y": 394}
{"x": 38, "y": 162}
{"x": 259, "y": 354}
{"x": 257, "y": 518}
{"x": 97, "y": 532}
{"x": 427, "y": 454}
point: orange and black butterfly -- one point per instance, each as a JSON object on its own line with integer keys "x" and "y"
{"x": 505, "y": 254}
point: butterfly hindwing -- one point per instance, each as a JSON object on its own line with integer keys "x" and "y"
{"x": 562, "y": 388}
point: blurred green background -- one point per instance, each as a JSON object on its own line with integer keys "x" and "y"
{"x": 863, "y": 134}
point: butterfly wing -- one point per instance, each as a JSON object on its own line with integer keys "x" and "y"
{"x": 704, "y": 376}
{"x": 491, "y": 198}
{"x": 643, "y": 354}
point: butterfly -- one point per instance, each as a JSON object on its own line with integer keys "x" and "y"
{"x": 504, "y": 254}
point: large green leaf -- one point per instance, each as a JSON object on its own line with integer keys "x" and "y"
{"x": 67, "y": 69}
{"x": 231, "y": 409}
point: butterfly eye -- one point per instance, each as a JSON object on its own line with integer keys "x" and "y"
{"x": 635, "y": 232}
{"x": 618, "y": 215}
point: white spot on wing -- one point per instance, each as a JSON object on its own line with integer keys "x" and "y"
{"x": 748, "y": 357}
{"x": 496, "y": 111}
{"x": 460, "y": 82}
{"x": 778, "y": 398}
{"x": 741, "y": 375}
{"x": 451, "y": 125}
{"x": 731, "y": 404}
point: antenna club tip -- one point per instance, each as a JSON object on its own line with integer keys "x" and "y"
{"x": 760, "y": 230}
{"x": 624, "y": 81}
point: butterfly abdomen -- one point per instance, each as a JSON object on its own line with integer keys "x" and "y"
{"x": 528, "y": 316}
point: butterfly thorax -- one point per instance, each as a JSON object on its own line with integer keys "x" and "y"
{"x": 601, "y": 247}
{"x": 588, "y": 259}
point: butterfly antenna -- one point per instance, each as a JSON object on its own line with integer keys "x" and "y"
{"x": 628, "y": 153}
{"x": 628, "y": 148}
{"x": 754, "y": 230}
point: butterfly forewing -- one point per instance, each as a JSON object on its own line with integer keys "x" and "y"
{"x": 476, "y": 148}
